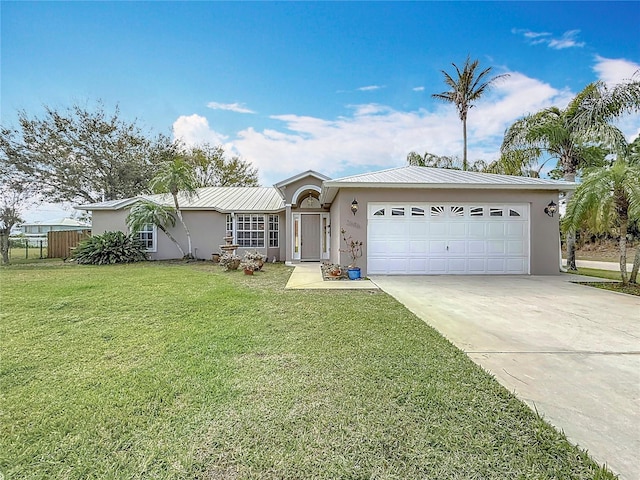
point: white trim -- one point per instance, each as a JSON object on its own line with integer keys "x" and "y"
{"x": 295, "y": 178}
{"x": 326, "y": 235}
{"x": 295, "y": 220}
{"x": 297, "y": 217}
{"x": 154, "y": 238}
{"x": 268, "y": 224}
{"x": 304, "y": 188}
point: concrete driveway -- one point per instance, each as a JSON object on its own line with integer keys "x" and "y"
{"x": 570, "y": 351}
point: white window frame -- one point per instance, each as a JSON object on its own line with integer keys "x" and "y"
{"x": 229, "y": 224}
{"x": 154, "y": 237}
{"x": 274, "y": 231}
{"x": 296, "y": 222}
{"x": 254, "y": 219}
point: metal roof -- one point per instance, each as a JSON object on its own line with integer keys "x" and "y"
{"x": 65, "y": 222}
{"x": 113, "y": 204}
{"x": 308, "y": 173}
{"x": 269, "y": 199}
{"x": 222, "y": 199}
{"x": 427, "y": 177}
{"x": 234, "y": 199}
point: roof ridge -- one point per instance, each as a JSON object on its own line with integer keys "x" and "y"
{"x": 369, "y": 173}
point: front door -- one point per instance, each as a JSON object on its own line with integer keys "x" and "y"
{"x": 310, "y": 237}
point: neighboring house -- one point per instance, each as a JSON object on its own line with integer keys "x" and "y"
{"x": 41, "y": 229}
{"x": 36, "y": 232}
{"x": 412, "y": 220}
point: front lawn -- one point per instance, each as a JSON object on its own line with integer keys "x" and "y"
{"x": 182, "y": 371}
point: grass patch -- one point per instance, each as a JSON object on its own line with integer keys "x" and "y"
{"x": 172, "y": 371}
{"x": 594, "y": 272}
{"x": 27, "y": 255}
{"x": 630, "y": 289}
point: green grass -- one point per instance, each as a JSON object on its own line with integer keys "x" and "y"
{"x": 594, "y": 272}
{"x": 630, "y": 289}
{"x": 181, "y": 371}
{"x": 24, "y": 255}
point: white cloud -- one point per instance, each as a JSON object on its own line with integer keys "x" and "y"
{"x": 567, "y": 40}
{"x": 614, "y": 70}
{"x": 511, "y": 98}
{"x": 378, "y": 136}
{"x": 530, "y": 34}
{"x": 232, "y": 107}
{"x": 369, "y": 88}
{"x": 418, "y": 89}
{"x": 194, "y": 130}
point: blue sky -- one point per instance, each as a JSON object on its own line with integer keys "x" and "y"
{"x": 336, "y": 87}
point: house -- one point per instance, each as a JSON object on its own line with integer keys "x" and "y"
{"x": 36, "y": 232}
{"x": 412, "y": 220}
{"x": 58, "y": 225}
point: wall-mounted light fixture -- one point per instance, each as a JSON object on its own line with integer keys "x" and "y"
{"x": 551, "y": 209}
{"x": 354, "y": 206}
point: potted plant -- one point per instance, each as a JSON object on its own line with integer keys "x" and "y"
{"x": 229, "y": 261}
{"x": 331, "y": 270}
{"x": 250, "y": 263}
{"x": 334, "y": 270}
{"x": 354, "y": 249}
{"x": 258, "y": 258}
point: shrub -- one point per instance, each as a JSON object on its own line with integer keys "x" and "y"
{"x": 110, "y": 247}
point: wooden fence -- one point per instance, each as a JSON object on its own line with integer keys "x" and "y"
{"x": 61, "y": 243}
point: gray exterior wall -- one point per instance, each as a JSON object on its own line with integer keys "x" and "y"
{"x": 544, "y": 238}
{"x": 207, "y": 229}
{"x": 108, "y": 221}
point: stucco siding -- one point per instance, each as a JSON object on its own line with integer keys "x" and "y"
{"x": 338, "y": 213}
{"x": 108, "y": 221}
{"x": 292, "y": 188}
{"x": 207, "y": 229}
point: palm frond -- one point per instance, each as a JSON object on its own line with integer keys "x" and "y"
{"x": 150, "y": 213}
{"x": 598, "y": 103}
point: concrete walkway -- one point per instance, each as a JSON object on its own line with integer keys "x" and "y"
{"x": 570, "y": 351}
{"x": 308, "y": 275}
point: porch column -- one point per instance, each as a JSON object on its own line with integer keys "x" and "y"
{"x": 288, "y": 233}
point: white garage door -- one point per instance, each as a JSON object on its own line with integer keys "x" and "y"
{"x": 447, "y": 238}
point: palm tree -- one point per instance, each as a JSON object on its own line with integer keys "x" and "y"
{"x": 610, "y": 198}
{"x": 448, "y": 163}
{"x": 176, "y": 176}
{"x": 149, "y": 213}
{"x": 574, "y": 136}
{"x": 467, "y": 88}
